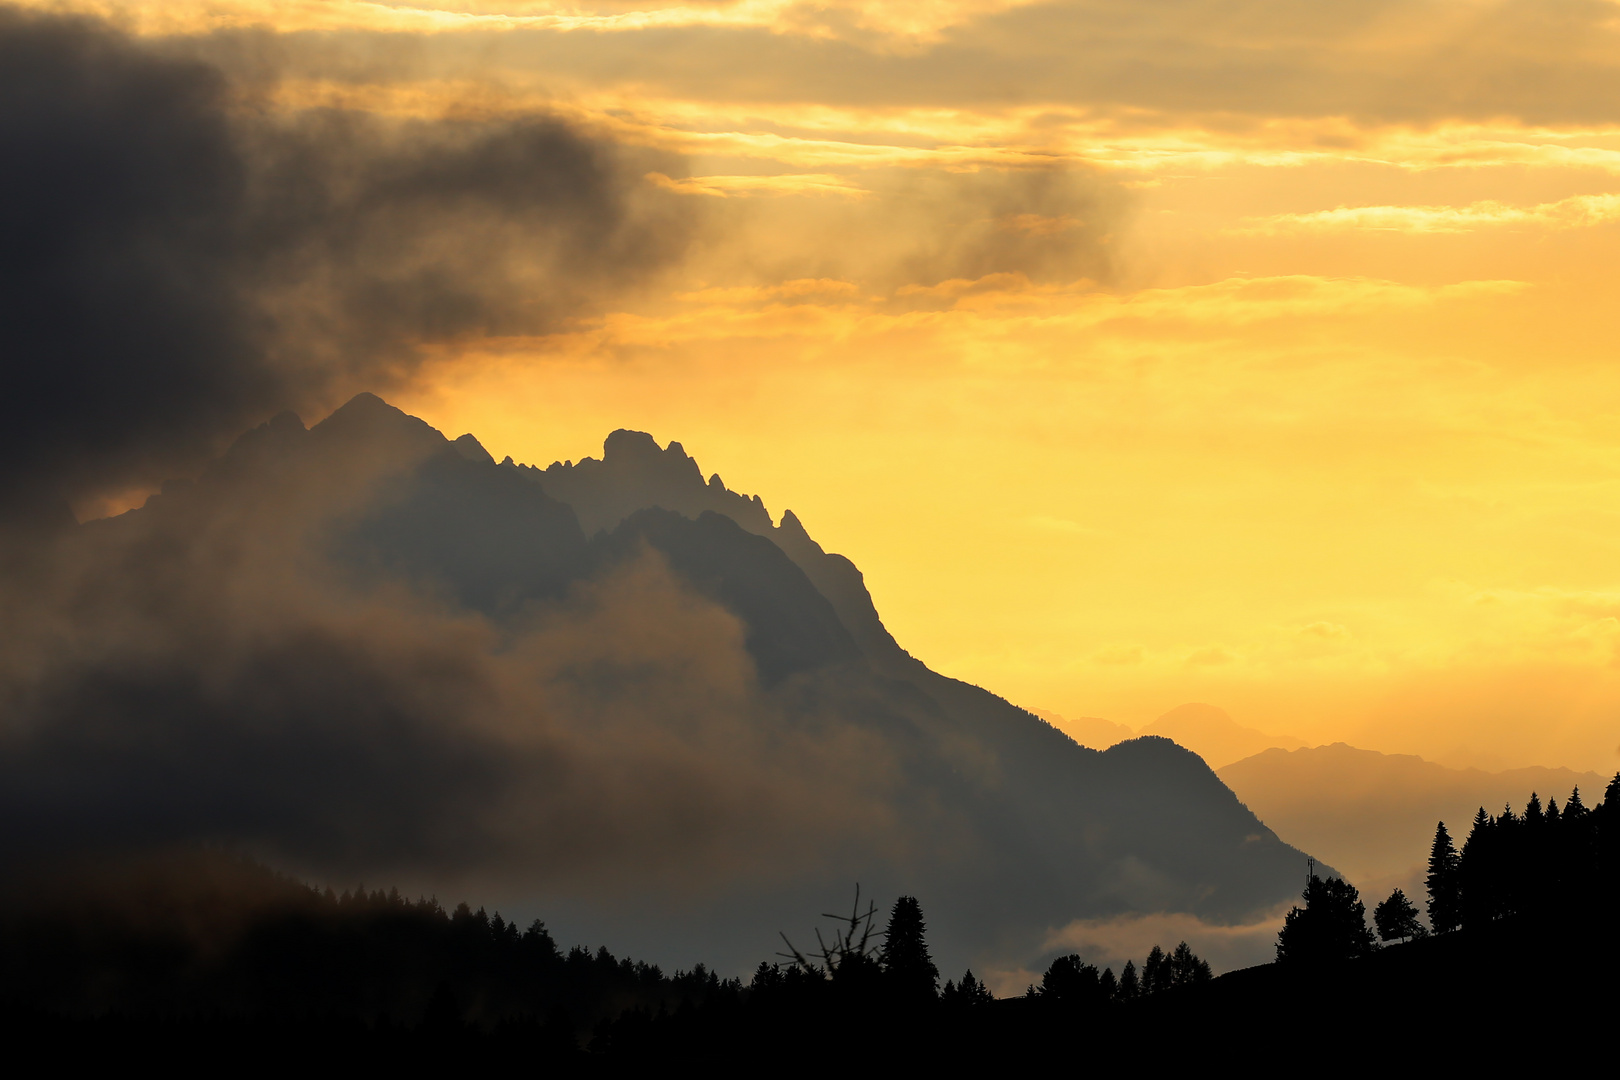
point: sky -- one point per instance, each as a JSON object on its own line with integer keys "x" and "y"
{"x": 1254, "y": 353}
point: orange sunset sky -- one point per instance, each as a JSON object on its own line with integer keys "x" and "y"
{"x": 1257, "y": 353}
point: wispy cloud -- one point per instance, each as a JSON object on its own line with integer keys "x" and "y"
{"x": 726, "y": 187}
{"x": 1575, "y": 212}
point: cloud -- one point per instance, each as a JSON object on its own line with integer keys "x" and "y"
{"x": 1112, "y": 942}
{"x": 726, "y": 187}
{"x": 919, "y": 227}
{"x": 1575, "y": 212}
{"x": 179, "y": 262}
{"x": 167, "y": 685}
{"x": 1154, "y": 65}
{"x": 891, "y": 23}
{"x": 801, "y": 290}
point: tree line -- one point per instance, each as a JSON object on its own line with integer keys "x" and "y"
{"x": 228, "y": 950}
{"x": 1543, "y": 863}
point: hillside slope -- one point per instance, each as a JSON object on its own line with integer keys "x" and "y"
{"x": 608, "y": 693}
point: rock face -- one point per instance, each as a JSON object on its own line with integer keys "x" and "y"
{"x": 615, "y": 693}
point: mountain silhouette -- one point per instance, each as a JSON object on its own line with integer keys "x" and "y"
{"x": 544, "y": 696}
{"x": 1207, "y": 731}
{"x": 1092, "y": 731}
{"x": 1213, "y": 735}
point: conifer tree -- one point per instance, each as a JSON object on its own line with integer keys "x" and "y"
{"x": 1533, "y": 815}
{"x": 1155, "y": 972}
{"x": 1186, "y": 968}
{"x": 1477, "y": 871}
{"x": 1600, "y": 838}
{"x": 1130, "y": 987}
{"x": 906, "y": 963}
{"x": 1444, "y": 883}
{"x": 1331, "y": 926}
{"x": 1397, "y": 918}
{"x": 974, "y": 992}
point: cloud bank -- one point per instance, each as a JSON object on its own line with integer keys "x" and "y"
{"x": 216, "y": 668}
{"x": 179, "y": 261}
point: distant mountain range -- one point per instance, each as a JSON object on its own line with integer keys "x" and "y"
{"x": 1373, "y": 815}
{"x": 1204, "y": 729}
{"x": 611, "y": 688}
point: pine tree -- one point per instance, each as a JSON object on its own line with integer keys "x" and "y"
{"x": 1130, "y": 987}
{"x": 1477, "y": 871}
{"x": 1444, "y": 883}
{"x": 1331, "y": 926}
{"x": 1186, "y": 969}
{"x": 1533, "y": 816}
{"x": 974, "y": 992}
{"x": 1155, "y": 972}
{"x": 1397, "y": 918}
{"x": 1600, "y": 843}
{"x": 906, "y": 963}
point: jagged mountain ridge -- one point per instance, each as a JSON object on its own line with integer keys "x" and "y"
{"x": 1004, "y": 825}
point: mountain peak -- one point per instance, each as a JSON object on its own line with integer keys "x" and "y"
{"x": 635, "y": 473}
{"x": 1211, "y": 733}
{"x": 792, "y": 526}
{"x": 473, "y": 450}
{"x": 286, "y": 420}
{"x": 624, "y": 446}
{"x": 368, "y": 414}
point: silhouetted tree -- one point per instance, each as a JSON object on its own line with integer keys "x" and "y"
{"x": 1331, "y": 926}
{"x": 1444, "y": 883}
{"x": 906, "y": 963}
{"x": 969, "y": 993}
{"x": 1485, "y": 867}
{"x": 1130, "y": 986}
{"x": 850, "y": 961}
{"x": 1397, "y": 918}
{"x": 1186, "y": 969}
{"x": 1155, "y": 972}
{"x": 1071, "y": 980}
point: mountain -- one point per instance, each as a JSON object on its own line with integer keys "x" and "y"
{"x": 1214, "y": 736}
{"x": 1206, "y": 730}
{"x": 1092, "y": 731}
{"x": 1373, "y": 815}
{"x": 609, "y": 693}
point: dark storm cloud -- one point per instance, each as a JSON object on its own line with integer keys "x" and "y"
{"x": 1047, "y": 224}
{"x": 176, "y": 264}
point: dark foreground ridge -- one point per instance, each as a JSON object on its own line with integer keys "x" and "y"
{"x": 201, "y": 958}
{"x": 351, "y": 984}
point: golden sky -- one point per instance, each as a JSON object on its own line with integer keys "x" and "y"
{"x": 1260, "y": 353}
